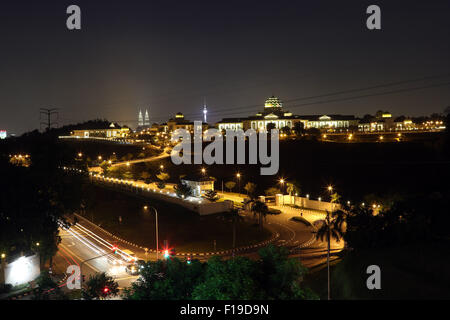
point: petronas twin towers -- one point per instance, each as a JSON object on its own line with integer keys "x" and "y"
{"x": 143, "y": 121}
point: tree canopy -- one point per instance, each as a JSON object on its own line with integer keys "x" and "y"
{"x": 273, "y": 276}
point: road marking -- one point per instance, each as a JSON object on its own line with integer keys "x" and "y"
{"x": 86, "y": 263}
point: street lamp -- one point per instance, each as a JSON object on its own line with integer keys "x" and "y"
{"x": 99, "y": 157}
{"x": 203, "y": 171}
{"x": 80, "y": 154}
{"x": 82, "y": 262}
{"x": 162, "y": 167}
{"x": 156, "y": 228}
{"x": 330, "y": 189}
{"x": 238, "y": 175}
{"x": 282, "y": 188}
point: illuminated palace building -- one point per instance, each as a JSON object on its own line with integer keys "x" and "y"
{"x": 273, "y": 113}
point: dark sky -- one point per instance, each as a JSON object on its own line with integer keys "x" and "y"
{"x": 168, "y": 55}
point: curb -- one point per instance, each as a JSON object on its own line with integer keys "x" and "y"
{"x": 224, "y": 252}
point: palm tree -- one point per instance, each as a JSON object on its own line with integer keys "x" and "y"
{"x": 331, "y": 228}
{"x": 233, "y": 216}
{"x": 292, "y": 188}
{"x": 230, "y": 185}
{"x": 250, "y": 187}
{"x": 259, "y": 208}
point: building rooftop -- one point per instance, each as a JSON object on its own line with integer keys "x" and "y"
{"x": 100, "y": 126}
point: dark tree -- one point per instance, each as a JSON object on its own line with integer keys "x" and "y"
{"x": 100, "y": 286}
{"x": 183, "y": 190}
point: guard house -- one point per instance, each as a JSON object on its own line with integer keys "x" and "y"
{"x": 198, "y": 183}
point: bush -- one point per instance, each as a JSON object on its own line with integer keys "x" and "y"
{"x": 5, "y": 288}
{"x": 183, "y": 190}
{"x": 211, "y": 195}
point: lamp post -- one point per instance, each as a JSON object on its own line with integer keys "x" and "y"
{"x": 156, "y": 229}
{"x": 238, "y": 175}
{"x": 330, "y": 189}
{"x": 282, "y": 188}
{"x": 2, "y": 268}
{"x": 81, "y": 265}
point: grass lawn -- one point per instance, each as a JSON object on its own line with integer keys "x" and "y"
{"x": 184, "y": 230}
{"x": 407, "y": 272}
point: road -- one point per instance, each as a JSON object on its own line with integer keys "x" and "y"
{"x": 296, "y": 236}
{"x": 154, "y": 158}
{"x": 124, "y": 163}
{"x": 85, "y": 240}
{"x": 80, "y": 243}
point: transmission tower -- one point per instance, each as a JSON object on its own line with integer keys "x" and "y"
{"x": 48, "y": 114}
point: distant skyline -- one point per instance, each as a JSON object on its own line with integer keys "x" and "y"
{"x": 168, "y": 56}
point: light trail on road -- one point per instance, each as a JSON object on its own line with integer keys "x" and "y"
{"x": 105, "y": 243}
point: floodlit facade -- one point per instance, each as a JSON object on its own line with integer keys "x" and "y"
{"x": 112, "y": 131}
{"x": 274, "y": 113}
{"x": 331, "y": 122}
{"x": 20, "y": 270}
{"x": 198, "y": 184}
{"x": 179, "y": 122}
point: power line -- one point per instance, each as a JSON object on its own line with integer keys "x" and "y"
{"x": 250, "y": 108}
{"x": 374, "y": 94}
{"x": 346, "y": 91}
{"x": 360, "y": 96}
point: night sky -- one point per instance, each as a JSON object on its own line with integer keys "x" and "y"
{"x": 168, "y": 56}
